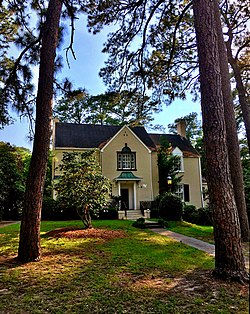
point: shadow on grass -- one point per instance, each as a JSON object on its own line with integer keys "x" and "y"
{"x": 141, "y": 273}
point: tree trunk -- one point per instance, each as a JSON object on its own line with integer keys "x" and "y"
{"x": 241, "y": 91}
{"x": 29, "y": 243}
{"x": 231, "y": 130}
{"x": 229, "y": 259}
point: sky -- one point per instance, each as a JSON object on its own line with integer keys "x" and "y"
{"x": 83, "y": 72}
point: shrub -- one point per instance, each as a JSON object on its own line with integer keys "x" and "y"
{"x": 190, "y": 214}
{"x": 170, "y": 207}
{"x": 108, "y": 213}
{"x": 139, "y": 223}
{"x": 200, "y": 216}
{"x": 53, "y": 210}
{"x": 205, "y": 216}
{"x": 163, "y": 223}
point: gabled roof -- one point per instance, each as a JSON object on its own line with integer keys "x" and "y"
{"x": 176, "y": 141}
{"x": 93, "y": 136}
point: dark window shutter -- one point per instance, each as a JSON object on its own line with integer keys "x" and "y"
{"x": 186, "y": 193}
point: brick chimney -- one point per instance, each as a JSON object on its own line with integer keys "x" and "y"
{"x": 181, "y": 128}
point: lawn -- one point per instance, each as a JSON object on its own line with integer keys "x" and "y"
{"x": 121, "y": 269}
{"x": 204, "y": 233}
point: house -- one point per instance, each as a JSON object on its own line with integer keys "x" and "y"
{"x": 128, "y": 157}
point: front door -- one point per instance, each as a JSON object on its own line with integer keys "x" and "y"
{"x": 124, "y": 199}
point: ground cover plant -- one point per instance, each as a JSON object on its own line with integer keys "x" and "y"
{"x": 114, "y": 268}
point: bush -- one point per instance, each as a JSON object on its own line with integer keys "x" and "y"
{"x": 53, "y": 210}
{"x": 200, "y": 216}
{"x": 108, "y": 213}
{"x": 139, "y": 223}
{"x": 163, "y": 223}
{"x": 190, "y": 214}
{"x": 170, "y": 207}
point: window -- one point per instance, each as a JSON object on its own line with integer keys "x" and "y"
{"x": 183, "y": 192}
{"x": 179, "y": 159}
{"x": 126, "y": 160}
{"x": 179, "y": 191}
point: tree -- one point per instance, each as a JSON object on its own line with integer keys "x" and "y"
{"x": 236, "y": 17}
{"x": 229, "y": 259}
{"x": 231, "y": 131}
{"x": 159, "y": 62}
{"x": 72, "y": 107}
{"x": 82, "y": 185}
{"x": 112, "y": 108}
{"x": 167, "y": 165}
{"x": 12, "y": 181}
{"x": 29, "y": 243}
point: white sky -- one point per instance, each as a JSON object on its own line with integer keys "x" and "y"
{"x": 84, "y": 73}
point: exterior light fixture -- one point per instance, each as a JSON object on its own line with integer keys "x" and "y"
{"x": 169, "y": 180}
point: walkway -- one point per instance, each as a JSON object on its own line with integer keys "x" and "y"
{"x": 5, "y": 223}
{"x": 198, "y": 244}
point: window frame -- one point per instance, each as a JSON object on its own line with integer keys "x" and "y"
{"x": 177, "y": 152}
{"x": 125, "y": 162}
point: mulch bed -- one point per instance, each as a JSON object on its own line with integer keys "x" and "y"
{"x": 75, "y": 233}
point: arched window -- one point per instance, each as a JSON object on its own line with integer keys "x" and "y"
{"x": 126, "y": 159}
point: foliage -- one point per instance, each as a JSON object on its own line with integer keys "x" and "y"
{"x": 82, "y": 185}
{"x": 53, "y": 210}
{"x": 72, "y": 107}
{"x": 170, "y": 207}
{"x": 167, "y": 165}
{"x": 150, "y": 38}
{"x": 199, "y": 216}
{"x": 139, "y": 223}
{"x": 13, "y": 162}
{"x": 110, "y": 108}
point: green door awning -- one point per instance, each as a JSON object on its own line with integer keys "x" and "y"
{"x": 127, "y": 176}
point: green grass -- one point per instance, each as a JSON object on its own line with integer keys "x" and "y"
{"x": 204, "y": 233}
{"x": 142, "y": 272}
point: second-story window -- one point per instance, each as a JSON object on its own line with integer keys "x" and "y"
{"x": 126, "y": 160}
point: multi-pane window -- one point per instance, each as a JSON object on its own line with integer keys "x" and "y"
{"x": 179, "y": 191}
{"x": 182, "y": 192}
{"x": 179, "y": 165}
{"x": 126, "y": 160}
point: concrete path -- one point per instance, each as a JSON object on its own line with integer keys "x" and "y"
{"x": 198, "y": 244}
{"x": 5, "y": 223}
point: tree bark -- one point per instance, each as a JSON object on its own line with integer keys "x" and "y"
{"x": 229, "y": 259}
{"x": 231, "y": 130}
{"x": 29, "y": 243}
{"x": 239, "y": 85}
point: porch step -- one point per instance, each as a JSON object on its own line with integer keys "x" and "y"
{"x": 134, "y": 214}
{"x": 152, "y": 225}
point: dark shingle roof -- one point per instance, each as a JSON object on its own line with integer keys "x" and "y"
{"x": 176, "y": 141}
{"x": 92, "y": 136}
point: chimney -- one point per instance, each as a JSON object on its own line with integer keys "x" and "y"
{"x": 181, "y": 128}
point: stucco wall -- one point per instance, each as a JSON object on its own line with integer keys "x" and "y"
{"x": 143, "y": 164}
{"x": 191, "y": 176}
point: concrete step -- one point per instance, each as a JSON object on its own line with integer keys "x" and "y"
{"x": 134, "y": 214}
{"x": 152, "y": 225}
